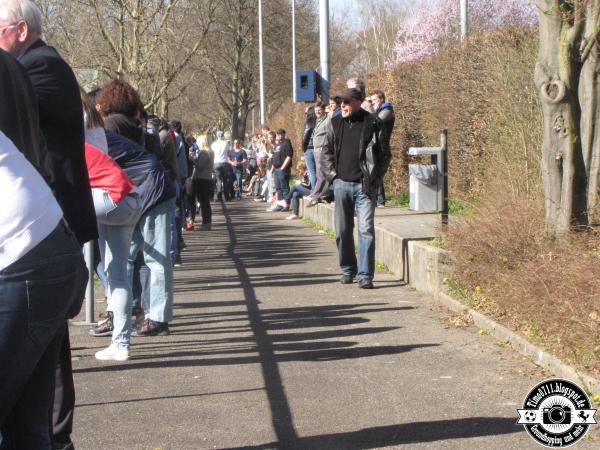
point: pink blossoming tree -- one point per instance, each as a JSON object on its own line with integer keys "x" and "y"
{"x": 431, "y": 25}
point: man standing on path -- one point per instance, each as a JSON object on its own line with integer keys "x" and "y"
{"x": 385, "y": 113}
{"x": 223, "y": 171}
{"x": 282, "y": 162}
{"x": 238, "y": 159}
{"x": 61, "y": 121}
{"x": 353, "y": 161}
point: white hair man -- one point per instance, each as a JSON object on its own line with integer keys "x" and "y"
{"x": 61, "y": 121}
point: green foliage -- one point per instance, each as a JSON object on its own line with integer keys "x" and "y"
{"x": 505, "y": 343}
{"x": 533, "y": 330}
{"x": 463, "y": 294}
{"x": 458, "y": 208}
{"x": 401, "y": 199}
{"x": 438, "y": 242}
{"x": 329, "y": 233}
{"x": 383, "y": 267}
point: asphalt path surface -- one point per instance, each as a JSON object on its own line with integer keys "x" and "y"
{"x": 268, "y": 350}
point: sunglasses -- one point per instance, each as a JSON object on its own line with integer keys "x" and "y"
{"x": 8, "y": 26}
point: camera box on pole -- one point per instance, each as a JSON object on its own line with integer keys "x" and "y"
{"x": 306, "y": 85}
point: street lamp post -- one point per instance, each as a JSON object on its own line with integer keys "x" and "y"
{"x": 261, "y": 65}
{"x": 464, "y": 19}
{"x": 294, "y": 50}
{"x": 324, "y": 48}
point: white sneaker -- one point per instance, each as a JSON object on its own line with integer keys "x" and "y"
{"x": 113, "y": 353}
{"x": 292, "y": 217}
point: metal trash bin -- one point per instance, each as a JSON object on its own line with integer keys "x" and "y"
{"x": 423, "y": 187}
{"x": 428, "y": 183}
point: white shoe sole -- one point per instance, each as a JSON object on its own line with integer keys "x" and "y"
{"x": 101, "y": 356}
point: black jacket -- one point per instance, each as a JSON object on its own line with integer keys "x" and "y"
{"x": 387, "y": 116}
{"x": 19, "y": 116}
{"x": 375, "y": 154}
{"x": 307, "y": 137}
{"x": 61, "y": 121}
{"x": 142, "y": 168}
{"x": 125, "y": 126}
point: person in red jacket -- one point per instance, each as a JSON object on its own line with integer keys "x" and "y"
{"x": 118, "y": 208}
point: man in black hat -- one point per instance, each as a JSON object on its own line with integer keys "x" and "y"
{"x": 353, "y": 162}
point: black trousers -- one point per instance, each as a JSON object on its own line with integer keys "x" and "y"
{"x": 201, "y": 190}
{"x": 64, "y": 396}
{"x": 224, "y": 175}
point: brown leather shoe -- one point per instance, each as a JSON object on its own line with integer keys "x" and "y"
{"x": 151, "y": 328}
{"x": 104, "y": 328}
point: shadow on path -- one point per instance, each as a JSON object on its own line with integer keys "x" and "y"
{"x": 279, "y": 335}
{"x": 409, "y": 433}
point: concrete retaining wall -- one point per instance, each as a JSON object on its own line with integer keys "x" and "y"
{"x": 427, "y": 267}
{"x": 389, "y": 248}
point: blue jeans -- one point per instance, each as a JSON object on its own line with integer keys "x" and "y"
{"x": 115, "y": 228}
{"x": 37, "y": 295}
{"x": 348, "y": 196}
{"x": 282, "y": 183}
{"x": 175, "y": 228}
{"x": 298, "y": 191}
{"x": 152, "y": 236}
{"x": 311, "y": 167}
{"x": 238, "y": 177}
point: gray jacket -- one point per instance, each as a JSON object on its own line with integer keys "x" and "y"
{"x": 204, "y": 165}
{"x": 322, "y": 134}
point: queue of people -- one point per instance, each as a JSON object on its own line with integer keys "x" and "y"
{"x": 77, "y": 167}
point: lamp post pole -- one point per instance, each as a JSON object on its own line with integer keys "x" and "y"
{"x": 294, "y": 50}
{"x": 261, "y": 65}
{"x": 464, "y": 19}
{"x": 324, "y": 48}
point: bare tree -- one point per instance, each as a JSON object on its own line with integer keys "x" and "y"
{"x": 379, "y": 24}
{"x": 192, "y": 59}
{"x": 566, "y": 78}
{"x": 229, "y": 60}
{"x": 148, "y": 42}
{"x": 232, "y": 58}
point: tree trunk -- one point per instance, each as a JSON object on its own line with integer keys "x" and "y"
{"x": 589, "y": 88}
{"x": 566, "y": 82}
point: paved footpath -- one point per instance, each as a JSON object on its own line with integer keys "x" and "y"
{"x": 269, "y": 351}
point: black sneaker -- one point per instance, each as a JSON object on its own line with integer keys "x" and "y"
{"x": 178, "y": 261}
{"x": 104, "y": 328}
{"x": 137, "y": 312}
{"x": 151, "y": 328}
{"x": 365, "y": 283}
{"x": 346, "y": 279}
